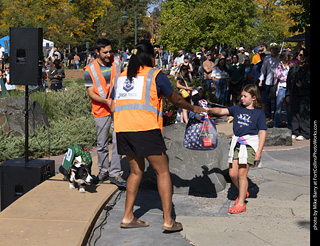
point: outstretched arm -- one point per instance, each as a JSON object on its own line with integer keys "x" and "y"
{"x": 179, "y": 101}
{"x": 218, "y": 111}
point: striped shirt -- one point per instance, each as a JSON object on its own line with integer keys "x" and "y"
{"x": 106, "y": 72}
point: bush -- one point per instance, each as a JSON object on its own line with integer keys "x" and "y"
{"x": 70, "y": 119}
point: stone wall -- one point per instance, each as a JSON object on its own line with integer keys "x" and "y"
{"x": 12, "y": 117}
{"x": 278, "y": 136}
{"x": 194, "y": 172}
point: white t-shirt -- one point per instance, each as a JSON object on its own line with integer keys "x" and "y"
{"x": 8, "y": 86}
{"x": 2, "y": 50}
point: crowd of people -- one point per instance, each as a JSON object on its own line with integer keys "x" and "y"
{"x": 281, "y": 74}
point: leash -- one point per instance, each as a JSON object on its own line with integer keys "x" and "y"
{"x": 108, "y": 208}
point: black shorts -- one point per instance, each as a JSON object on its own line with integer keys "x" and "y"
{"x": 141, "y": 144}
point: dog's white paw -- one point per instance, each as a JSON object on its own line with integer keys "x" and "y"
{"x": 82, "y": 190}
{"x": 71, "y": 186}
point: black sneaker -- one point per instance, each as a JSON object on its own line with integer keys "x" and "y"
{"x": 118, "y": 181}
{"x": 103, "y": 177}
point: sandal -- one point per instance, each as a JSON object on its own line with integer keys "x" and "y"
{"x": 237, "y": 209}
{"x": 135, "y": 223}
{"x": 177, "y": 226}
{"x": 237, "y": 200}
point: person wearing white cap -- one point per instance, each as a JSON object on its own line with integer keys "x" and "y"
{"x": 241, "y": 55}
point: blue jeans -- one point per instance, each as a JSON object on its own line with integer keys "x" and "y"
{"x": 221, "y": 86}
{"x": 77, "y": 63}
{"x": 208, "y": 84}
{"x": 280, "y": 99}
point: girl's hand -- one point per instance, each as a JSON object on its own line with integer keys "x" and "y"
{"x": 199, "y": 110}
{"x": 257, "y": 157}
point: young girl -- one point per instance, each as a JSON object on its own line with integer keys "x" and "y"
{"x": 249, "y": 135}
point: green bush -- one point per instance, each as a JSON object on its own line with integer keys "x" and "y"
{"x": 70, "y": 120}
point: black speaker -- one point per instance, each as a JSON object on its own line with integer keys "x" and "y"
{"x": 18, "y": 177}
{"x": 26, "y": 55}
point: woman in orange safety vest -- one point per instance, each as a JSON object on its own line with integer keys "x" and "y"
{"x": 137, "y": 112}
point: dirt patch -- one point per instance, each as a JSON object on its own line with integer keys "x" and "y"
{"x": 74, "y": 74}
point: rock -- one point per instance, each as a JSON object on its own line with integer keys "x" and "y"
{"x": 12, "y": 117}
{"x": 278, "y": 136}
{"x": 192, "y": 171}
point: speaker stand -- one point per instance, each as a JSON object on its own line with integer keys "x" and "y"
{"x": 26, "y": 120}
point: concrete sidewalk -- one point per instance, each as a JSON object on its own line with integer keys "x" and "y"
{"x": 278, "y": 215}
{"x": 52, "y": 214}
{"x": 278, "y": 209}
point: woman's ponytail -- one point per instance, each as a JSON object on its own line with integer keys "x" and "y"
{"x": 141, "y": 55}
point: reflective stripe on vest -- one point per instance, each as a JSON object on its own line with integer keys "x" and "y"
{"x": 97, "y": 80}
{"x": 147, "y": 106}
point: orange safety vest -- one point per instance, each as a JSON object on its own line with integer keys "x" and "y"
{"x": 137, "y": 105}
{"x": 100, "y": 85}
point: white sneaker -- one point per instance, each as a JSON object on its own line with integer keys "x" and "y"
{"x": 300, "y": 138}
{"x": 294, "y": 136}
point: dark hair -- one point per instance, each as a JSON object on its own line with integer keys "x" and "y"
{"x": 262, "y": 56}
{"x": 101, "y": 43}
{"x": 305, "y": 52}
{"x": 225, "y": 63}
{"x": 284, "y": 56}
{"x": 56, "y": 63}
{"x": 141, "y": 55}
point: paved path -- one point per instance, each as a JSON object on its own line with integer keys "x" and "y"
{"x": 277, "y": 214}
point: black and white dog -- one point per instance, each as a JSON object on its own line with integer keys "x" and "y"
{"x": 79, "y": 173}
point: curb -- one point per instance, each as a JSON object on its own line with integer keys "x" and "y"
{"x": 52, "y": 214}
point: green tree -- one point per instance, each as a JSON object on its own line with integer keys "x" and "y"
{"x": 63, "y": 21}
{"x": 56, "y": 17}
{"x": 273, "y": 20}
{"x": 301, "y": 15}
{"x": 192, "y": 24}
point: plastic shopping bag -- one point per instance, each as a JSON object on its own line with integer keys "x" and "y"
{"x": 200, "y": 134}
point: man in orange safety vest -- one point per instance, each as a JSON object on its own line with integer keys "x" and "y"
{"x": 99, "y": 76}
